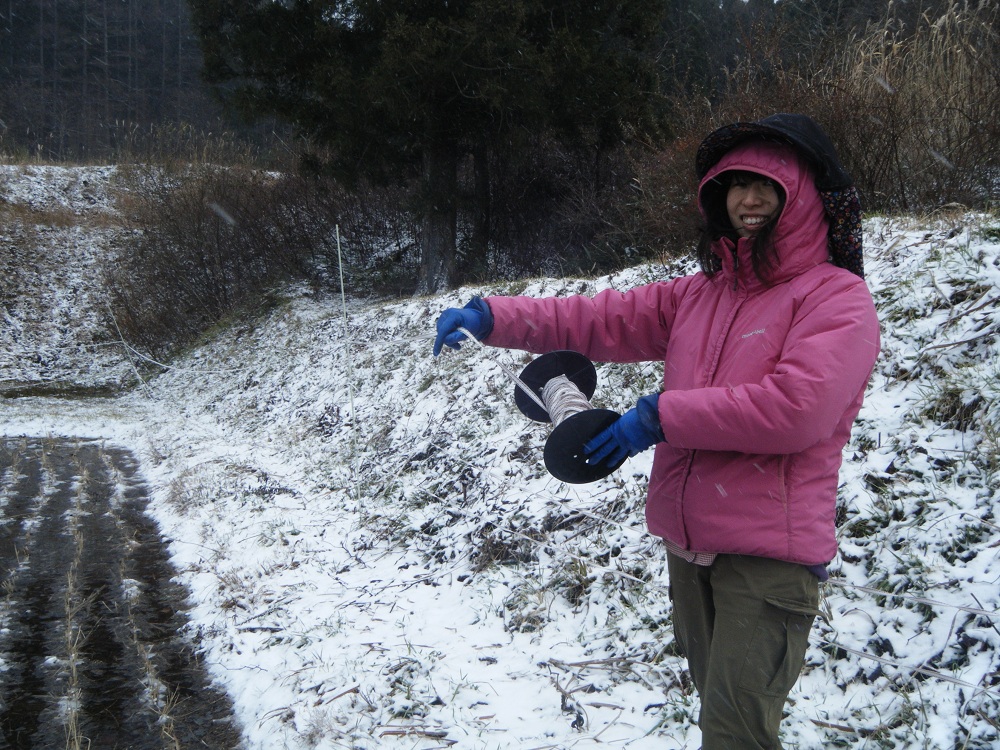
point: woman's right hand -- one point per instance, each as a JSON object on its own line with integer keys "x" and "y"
{"x": 475, "y": 317}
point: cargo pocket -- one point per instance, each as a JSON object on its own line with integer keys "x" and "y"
{"x": 778, "y": 647}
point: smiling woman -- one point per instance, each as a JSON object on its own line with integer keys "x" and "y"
{"x": 766, "y": 356}
{"x": 752, "y": 201}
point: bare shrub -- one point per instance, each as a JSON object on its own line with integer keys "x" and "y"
{"x": 202, "y": 243}
{"x": 561, "y": 211}
{"x": 378, "y": 251}
{"x": 205, "y": 241}
{"x": 662, "y": 205}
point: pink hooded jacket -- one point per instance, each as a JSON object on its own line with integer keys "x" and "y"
{"x": 761, "y": 383}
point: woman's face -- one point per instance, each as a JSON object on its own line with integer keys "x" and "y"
{"x": 752, "y": 201}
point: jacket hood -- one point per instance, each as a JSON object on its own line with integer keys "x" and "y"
{"x": 838, "y": 194}
{"x": 800, "y": 232}
{"x": 797, "y": 130}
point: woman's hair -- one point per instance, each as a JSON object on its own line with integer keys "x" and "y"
{"x": 716, "y": 224}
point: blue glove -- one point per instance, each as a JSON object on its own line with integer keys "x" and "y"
{"x": 476, "y": 317}
{"x": 631, "y": 434}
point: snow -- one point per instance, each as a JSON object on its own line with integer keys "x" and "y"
{"x": 377, "y": 557}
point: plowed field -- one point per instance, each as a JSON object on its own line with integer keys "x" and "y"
{"x": 92, "y": 646}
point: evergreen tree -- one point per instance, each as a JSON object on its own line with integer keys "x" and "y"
{"x": 79, "y": 77}
{"x": 401, "y": 88}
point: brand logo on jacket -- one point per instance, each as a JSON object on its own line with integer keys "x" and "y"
{"x": 753, "y": 333}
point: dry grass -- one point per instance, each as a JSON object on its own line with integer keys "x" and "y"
{"x": 916, "y": 114}
{"x": 59, "y": 217}
{"x": 910, "y": 109}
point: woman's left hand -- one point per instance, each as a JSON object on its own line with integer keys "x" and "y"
{"x": 636, "y": 430}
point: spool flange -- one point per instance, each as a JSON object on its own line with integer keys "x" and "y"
{"x": 564, "y": 457}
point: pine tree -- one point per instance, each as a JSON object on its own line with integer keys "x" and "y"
{"x": 79, "y": 77}
{"x": 402, "y": 88}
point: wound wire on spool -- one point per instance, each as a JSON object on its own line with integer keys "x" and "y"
{"x": 563, "y": 399}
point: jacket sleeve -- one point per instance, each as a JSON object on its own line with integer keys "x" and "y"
{"x": 611, "y": 327}
{"x": 824, "y": 367}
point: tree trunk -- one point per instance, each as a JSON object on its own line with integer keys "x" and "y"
{"x": 438, "y": 222}
{"x": 483, "y": 211}
{"x": 85, "y": 117}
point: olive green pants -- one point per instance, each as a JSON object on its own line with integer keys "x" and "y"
{"x": 743, "y": 624}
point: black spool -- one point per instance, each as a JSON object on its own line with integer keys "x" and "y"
{"x": 564, "y": 456}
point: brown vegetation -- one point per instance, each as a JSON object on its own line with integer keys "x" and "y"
{"x": 911, "y": 109}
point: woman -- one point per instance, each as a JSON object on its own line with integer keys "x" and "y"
{"x": 767, "y": 352}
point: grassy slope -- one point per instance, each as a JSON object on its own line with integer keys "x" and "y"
{"x": 367, "y": 460}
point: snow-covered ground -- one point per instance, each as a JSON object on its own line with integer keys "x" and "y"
{"x": 377, "y": 556}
